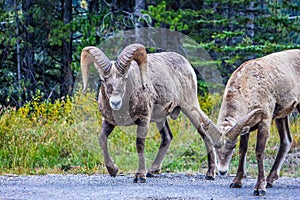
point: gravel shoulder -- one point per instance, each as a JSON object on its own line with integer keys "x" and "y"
{"x": 163, "y": 186}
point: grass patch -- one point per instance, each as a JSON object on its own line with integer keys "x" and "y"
{"x": 291, "y": 166}
{"x": 62, "y": 137}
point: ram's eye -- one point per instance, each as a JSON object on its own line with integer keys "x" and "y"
{"x": 109, "y": 89}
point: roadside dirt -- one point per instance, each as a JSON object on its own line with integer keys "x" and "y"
{"x": 163, "y": 186}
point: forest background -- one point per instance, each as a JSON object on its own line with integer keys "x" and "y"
{"x": 40, "y": 46}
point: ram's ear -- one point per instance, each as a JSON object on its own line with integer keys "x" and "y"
{"x": 245, "y": 130}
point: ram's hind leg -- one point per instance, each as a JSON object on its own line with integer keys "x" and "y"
{"x": 166, "y": 138}
{"x": 285, "y": 145}
{"x": 195, "y": 116}
{"x": 107, "y": 128}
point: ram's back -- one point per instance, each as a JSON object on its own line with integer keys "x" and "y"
{"x": 172, "y": 77}
{"x": 271, "y": 82}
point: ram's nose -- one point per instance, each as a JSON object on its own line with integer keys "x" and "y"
{"x": 115, "y": 102}
{"x": 116, "y": 105}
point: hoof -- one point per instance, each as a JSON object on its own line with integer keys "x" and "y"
{"x": 211, "y": 178}
{"x": 151, "y": 174}
{"x": 139, "y": 180}
{"x": 259, "y": 192}
{"x": 269, "y": 185}
{"x": 234, "y": 185}
{"x": 112, "y": 171}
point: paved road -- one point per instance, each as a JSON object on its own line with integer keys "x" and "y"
{"x": 164, "y": 186}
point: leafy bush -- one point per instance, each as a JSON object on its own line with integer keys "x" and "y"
{"x": 40, "y": 138}
{"x": 44, "y": 137}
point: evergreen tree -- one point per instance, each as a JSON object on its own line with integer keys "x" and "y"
{"x": 41, "y": 41}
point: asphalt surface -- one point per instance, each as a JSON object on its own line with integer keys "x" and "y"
{"x": 163, "y": 186}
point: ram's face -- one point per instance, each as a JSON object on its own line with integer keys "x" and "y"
{"x": 115, "y": 87}
{"x": 225, "y": 151}
{"x": 224, "y": 155}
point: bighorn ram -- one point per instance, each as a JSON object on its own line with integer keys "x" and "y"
{"x": 138, "y": 89}
{"x": 259, "y": 91}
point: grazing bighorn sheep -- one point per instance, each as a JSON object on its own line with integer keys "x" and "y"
{"x": 138, "y": 89}
{"x": 259, "y": 91}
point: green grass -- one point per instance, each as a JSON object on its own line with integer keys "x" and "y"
{"x": 62, "y": 137}
{"x": 291, "y": 166}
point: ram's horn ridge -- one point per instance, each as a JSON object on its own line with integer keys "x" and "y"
{"x": 136, "y": 52}
{"x": 235, "y": 131}
{"x": 93, "y": 55}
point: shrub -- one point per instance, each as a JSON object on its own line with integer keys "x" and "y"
{"x": 62, "y": 136}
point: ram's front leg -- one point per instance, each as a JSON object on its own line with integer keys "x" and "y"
{"x": 107, "y": 128}
{"x": 262, "y": 137}
{"x": 241, "y": 172}
{"x": 142, "y": 130}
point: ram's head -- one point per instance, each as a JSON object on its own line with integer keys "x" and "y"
{"x": 113, "y": 74}
{"x": 225, "y": 137}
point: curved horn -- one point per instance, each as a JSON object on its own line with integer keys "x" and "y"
{"x": 136, "y": 52}
{"x": 213, "y": 132}
{"x": 210, "y": 128}
{"x": 93, "y": 55}
{"x": 235, "y": 131}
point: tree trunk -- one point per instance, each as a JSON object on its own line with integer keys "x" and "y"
{"x": 67, "y": 73}
{"x": 27, "y": 51}
{"x": 250, "y": 16}
{"x": 250, "y": 27}
{"x": 18, "y": 54}
{"x": 93, "y": 6}
{"x": 139, "y": 5}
